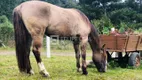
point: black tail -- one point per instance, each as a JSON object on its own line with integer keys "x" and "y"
{"x": 23, "y": 43}
{"x": 94, "y": 39}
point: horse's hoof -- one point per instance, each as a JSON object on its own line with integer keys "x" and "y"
{"x": 44, "y": 73}
{"x": 32, "y": 72}
{"x": 85, "y": 73}
{"x": 79, "y": 70}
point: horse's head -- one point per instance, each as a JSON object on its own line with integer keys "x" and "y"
{"x": 100, "y": 60}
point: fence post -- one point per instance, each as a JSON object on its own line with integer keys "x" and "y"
{"x": 48, "y": 54}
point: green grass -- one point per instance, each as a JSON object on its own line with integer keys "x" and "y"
{"x": 6, "y": 49}
{"x": 63, "y": 68}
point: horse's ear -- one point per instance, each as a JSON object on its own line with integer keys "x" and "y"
{"x": 104, "y": 50}
{"x": 103, "y": 46}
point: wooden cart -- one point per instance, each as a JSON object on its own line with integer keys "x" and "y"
{"x": 127, "y": 48}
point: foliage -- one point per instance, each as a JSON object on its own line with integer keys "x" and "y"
{"x": 123, "y": 27}
{"x": 63, "y": 3}
{"x": 95, "y": 9}
{"x": 128, "y": 12}
{"x": 6, "y": 29}
{"x": 138, "y": 17}
{"x": 122, "y": 15}
{"x": 105, "y": 30}
{"x": 103, "y": 25}
{"x": 7, "y": 6}
{"x": 138, "y": 31}
{"x": 113, "y": 64}
{"x": 137, "y": 26}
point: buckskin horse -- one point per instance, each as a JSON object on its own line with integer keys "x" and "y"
{"x": 33, "y": 19}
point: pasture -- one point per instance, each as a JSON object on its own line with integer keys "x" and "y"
{"x": 34, "y": 19}
{"x": 62, "y": 67}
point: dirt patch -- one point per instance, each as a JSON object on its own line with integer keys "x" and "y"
{"x": 7, "y": 52}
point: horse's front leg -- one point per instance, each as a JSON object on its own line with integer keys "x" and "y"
{"x": 37, "y": 44}
{"x": 84, "y": 41}
{"x": 77, "y": 55}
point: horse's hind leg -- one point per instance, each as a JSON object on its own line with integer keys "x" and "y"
{"x": 77, "y": 54}
{"x": 29, "y": 70}
{"x": 37, "y": 44}
{"x": 84, "y": 41}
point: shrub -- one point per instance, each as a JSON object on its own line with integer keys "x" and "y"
{"x": 6, "y": 30}
{"x": 123, "y": 27}
{"x": 113, "y": 64}
{"x": 138, "y": 31}
{"x": 137, "y": 25}
{"x": 103, "y": 25}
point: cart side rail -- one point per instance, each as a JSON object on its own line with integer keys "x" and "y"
{"x": 139, "y": 45}
{"x": 121, "y": 43}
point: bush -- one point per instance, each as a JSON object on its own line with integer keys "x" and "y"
{"x": 137, "y": 25}
{"x": 138, "y": 31}
{"x": 103, "y": 25}
{"x": 6, "y": 30}
{"x": 123, "y": 27}
{"x": 113, "y": 64}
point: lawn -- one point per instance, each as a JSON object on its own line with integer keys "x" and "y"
{"x": 63, "y": 68}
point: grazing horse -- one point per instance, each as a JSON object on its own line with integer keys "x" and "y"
{"x": 33, "y": 19}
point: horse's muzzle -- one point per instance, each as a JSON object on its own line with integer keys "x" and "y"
{"x": 102, "y": 70}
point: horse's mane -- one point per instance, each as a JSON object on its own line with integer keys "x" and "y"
{"x": 94, "y": 39}
{"x": 84, "y": 17}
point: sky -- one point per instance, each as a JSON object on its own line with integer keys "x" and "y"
{"x": 123, "y": 0}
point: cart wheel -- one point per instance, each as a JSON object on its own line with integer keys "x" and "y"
{"x": 134, "y": 59}
{"x": 140, "y": 53}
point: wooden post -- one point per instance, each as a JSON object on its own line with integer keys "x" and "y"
{"x": 48, "y": 54}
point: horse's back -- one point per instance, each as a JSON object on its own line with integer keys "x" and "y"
{"x": 58, "y": 20}
{"x": 34, "y": 11}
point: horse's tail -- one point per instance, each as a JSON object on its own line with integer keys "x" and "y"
{"x": 94, "y": 40}
{"x": 22, "y": 42}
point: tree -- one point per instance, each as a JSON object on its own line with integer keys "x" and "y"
{"x": 122, "y": 15}
{"x": 63, "y": 3}
{"x": 7, "y": 6}
{"x": 96, "y": 8}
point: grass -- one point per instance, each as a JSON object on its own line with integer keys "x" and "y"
{"x": 6, "y": 49}
{"x": 53, "y": 50}
{"x": 63, "y": 68}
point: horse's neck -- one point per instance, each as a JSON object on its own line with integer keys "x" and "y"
{"x": 94, "y": 43}
{"x": 96, "y": 46}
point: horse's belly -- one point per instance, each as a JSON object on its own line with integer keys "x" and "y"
{"x": 60, "y": 30}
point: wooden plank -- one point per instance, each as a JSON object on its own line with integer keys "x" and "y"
{"x": 139, "y": 46}
{"x": 110, "y": 50}
{"x": 109, "y": 41}
{"x": 132, "y": 43}
{"x": 121, "y": 42}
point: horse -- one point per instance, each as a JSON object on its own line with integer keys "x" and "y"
{"x": 34, "y": 19}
